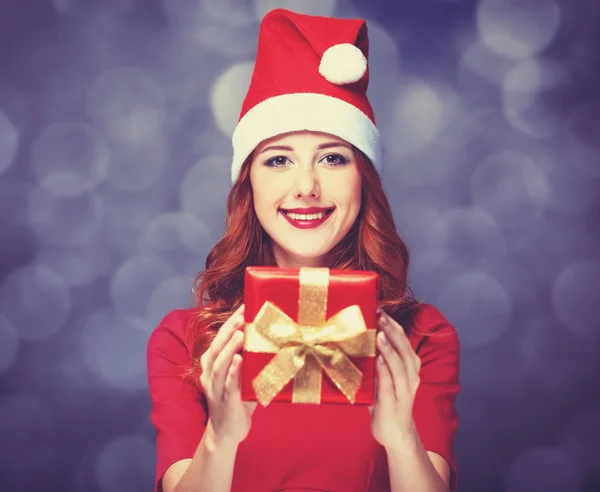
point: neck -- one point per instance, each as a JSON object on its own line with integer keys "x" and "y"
{"x": 285, "y": 260}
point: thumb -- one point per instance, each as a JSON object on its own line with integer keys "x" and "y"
{"x": 250, "y": 406}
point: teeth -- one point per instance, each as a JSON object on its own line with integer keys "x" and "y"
{"x": 305, "y": 216}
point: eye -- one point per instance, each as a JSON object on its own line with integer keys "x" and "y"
{"x": 335, "y": 160}
{"x": 277, "y": 161}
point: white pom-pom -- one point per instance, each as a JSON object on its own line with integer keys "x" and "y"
{"x": 343, "y": 64}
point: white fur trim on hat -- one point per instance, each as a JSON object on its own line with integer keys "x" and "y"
{"x": 304, "y": 111}
{"x": 343, "y": 64}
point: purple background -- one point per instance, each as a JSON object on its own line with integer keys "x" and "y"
{"x": 115, "y": 124}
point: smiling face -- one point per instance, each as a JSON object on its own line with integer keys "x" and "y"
{"x": 307, "y": 194}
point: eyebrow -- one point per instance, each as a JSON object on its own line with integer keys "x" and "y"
{"x": 327, "y": 145}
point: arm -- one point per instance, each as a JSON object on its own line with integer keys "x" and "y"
{"x": 211, "y": 468}
{"x": 415, "y": 404}
{"x": 196, "y": 452}
{"x": 414, "y": 468}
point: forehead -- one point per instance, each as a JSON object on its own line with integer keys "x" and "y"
{"x": 303, "y": 138}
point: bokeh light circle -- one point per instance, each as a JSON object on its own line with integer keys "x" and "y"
{"x": 309, "y": 7}
{"x": 234, "y": 42}
{"x": 416, "y": 209}
{"x": 433, "y": 166}
{"x": 70, "y": 158}
{"x": 9, "y": 142}
{"x": 512, "y": 188}
{"x": 229, "y": 12}
{"x": 227, "y": 95}
{"x": 123, "y": 464}
{"x": 487, "y": 65}
{"x": 523, "y": 97}
{"x": 127, "y": 105}
{"x": 417, "y": 119}
{"x": 384, "y": 67}
{"x": 115, "y": 351}
{"x": 36, "y": 301}
{"x": 133, "y": 282}
{"x": 576, "y": 296}
{"x": 470, "y": 233}
{"x": 204, "y": 189}
{"x": 185, "y": 16}
{"x": 572, "y": 190}
{"x": 427, "y": 267}
{"x": 220, "y": 25}
{"x": 127, "y": 216}
{"x": 137, "y": 167}
{"x": 180, "y": 239}
{"x": 64, "y": 221}
{"x": 79, "y": 7}
{"x": 520, "y": 29}
{"x": 171, "y": 293}
{"x": 478, "y": 304}
{"x": 77, "y": 266}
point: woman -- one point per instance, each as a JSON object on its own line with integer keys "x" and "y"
{"x": 306, "y": 193}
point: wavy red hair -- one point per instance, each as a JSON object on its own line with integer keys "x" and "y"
{"x": 372, "y": 243}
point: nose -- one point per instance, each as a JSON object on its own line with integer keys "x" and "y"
{"x": 308, "y": 182}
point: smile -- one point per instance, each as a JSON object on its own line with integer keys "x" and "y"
{"x": 307, "y": 221}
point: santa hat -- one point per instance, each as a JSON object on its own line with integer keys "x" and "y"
{"x": 311, "y": 73}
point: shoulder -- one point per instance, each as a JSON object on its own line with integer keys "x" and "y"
{"x": 429, "y": 329}
{"x": 172, "y": 333}
{"x": 429, "y": 320}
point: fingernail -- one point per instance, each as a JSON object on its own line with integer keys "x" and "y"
{"x": 383, "y": 338}
{"x": 380, "y": 360}
{"x": 383, "y": 320}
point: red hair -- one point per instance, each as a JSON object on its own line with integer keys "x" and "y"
{"x": 372, "y": 243}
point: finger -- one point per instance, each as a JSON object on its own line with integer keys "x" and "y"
{"x": 385, "y": 386}
{"x": 232, "y": 383}
{"x": 395, "y": 365}
{"x": 223, "y": 362}
{"x": 234, "y": 322}
{"x": 404, "y": 377}
{"x": 251, "y": 406}
{"x": 397, "y": 337}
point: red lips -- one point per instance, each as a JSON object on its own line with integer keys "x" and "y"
{"x": 309, "y": 210}
{"x": 307, "y": 224}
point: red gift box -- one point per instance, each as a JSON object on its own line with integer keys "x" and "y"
{"x": 337, "y": 308}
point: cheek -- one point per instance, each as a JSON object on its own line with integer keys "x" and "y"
{"x": 258, "y": 191}
{"x": 264, "y": 202}
{"x": 259, "y": 204}
{"x": 354, "y": 194}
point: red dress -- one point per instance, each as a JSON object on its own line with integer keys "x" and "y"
{"x": 298, "y": 447}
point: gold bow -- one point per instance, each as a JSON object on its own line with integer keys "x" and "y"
{"x": 302, "y": 350}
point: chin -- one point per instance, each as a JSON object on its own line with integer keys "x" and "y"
{"x": 307, "y": 253}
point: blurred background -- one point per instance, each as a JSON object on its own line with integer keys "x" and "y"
{"x": 115, "y": 125}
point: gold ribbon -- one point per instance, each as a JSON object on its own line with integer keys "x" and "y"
{"x": 304, "y": 349}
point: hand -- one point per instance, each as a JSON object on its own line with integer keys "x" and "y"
{"x": 397, "y": 380}
{"x": 229, "y": 417}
